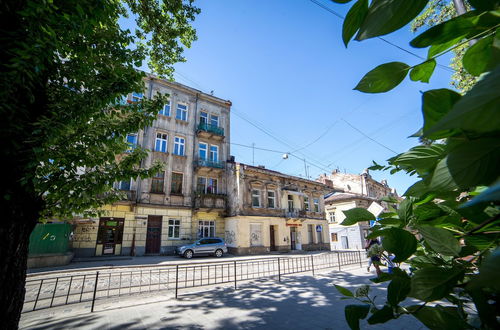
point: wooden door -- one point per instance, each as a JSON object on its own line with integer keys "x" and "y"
{"x": 153, "y": 237}
{"x": 293, "y": 238}
{"x": 272, "y": 241}
{"x": 110, "y": 234}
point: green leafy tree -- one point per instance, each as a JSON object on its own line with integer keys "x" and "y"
{"x": 438, "y": 11}
{"x": 447, "y": 229}
{"x": 66, "y": 66}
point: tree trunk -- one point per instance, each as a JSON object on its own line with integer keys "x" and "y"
{"x": 14, "y": 234}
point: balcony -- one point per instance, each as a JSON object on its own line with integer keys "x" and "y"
{"x": 210, "y": 201}
{"x": 293, "y": 213}
{"x": 210, "y": 131}
{"x": 216, "y": 164}
{"x": 130, "y": 195}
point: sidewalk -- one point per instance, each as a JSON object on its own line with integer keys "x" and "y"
{"x": 298, "y": 302}
{"x": 156, "y": 260}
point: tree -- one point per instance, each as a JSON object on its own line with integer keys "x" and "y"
{"x": 66, "y": 65}
{"x": 437, "y": 11}
{"x": 444, "y": 235}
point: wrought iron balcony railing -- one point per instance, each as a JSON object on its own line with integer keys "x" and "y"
{"x": 209, "y": 163}
{"x": 211, "y": 129}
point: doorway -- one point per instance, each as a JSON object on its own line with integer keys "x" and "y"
{"x": 110, "y": 234}
{"x": 153, "y": 236}
{"x": 293, "y": 238}
{"x": 272, "y": 239}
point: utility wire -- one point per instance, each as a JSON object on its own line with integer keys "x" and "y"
{"x": 444, "y": 67}
{"x": 368, "y": 137}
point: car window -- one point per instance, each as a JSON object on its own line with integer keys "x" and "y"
{"x": 217, "y": 241}
{"x": 204, "y": 241}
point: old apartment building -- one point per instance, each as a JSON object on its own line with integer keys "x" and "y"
{"x": 191, "y": 137}
{"x": 271, "y": 211}
{"x": 351, "y": 191}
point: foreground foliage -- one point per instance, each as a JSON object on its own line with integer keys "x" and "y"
{"x": 447, "y": 228}
{"x": 66, "y": 65}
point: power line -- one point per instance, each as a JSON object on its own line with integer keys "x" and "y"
{"x": 444, "y": 67}
{"x": 368, "y": 137}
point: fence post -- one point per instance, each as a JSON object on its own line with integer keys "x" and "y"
{"x": 279, "y": 271}
{"x": 235, "y": 274}
{"x": 95, "y": 291}
{"x": 312, "y": 264}
{"x": 177, "y": 280}
{"x": 360, "y": 261}
{"x": 38, "y": 294}
{"x": 338, "y": 259}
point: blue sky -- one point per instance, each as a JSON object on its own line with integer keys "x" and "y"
{"x": 283, "y": 65}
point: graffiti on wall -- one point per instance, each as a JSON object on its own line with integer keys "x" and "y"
{"x": 86, "y": 233}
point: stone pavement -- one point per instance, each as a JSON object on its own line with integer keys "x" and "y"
{"x": 299, "y": 301}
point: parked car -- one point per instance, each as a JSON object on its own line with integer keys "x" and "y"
{"x": 204, "y": 246}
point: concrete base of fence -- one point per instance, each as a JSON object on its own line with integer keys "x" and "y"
{"x": 49, "y": 260}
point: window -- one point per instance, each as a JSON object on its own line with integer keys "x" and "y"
{"x": 206, "y": 185}
{"x": 157, "y": 183}
{"x": 136, "y": 97}
{"x": 214, "y": 153}
{"x": 271, "y": 200}
{"x": 174, "y": 227}
{"x": 306, "y": 203}
{"x": 334, "y": 237}
{"x": 206, "y": 229}
{"x": 316, "y": 204}
{"x": 161, "y": 142}
{"x": 201, "y": 185}
{"x": 214, "y": 120}
{"x": 124, "y": 185}
{"x": 212, "y": 186}
{"x": 256, "y": 198}
{"x": 202, "y": 150}
{"x": 165, "y": 111}
{"x": 176, "y": 187}
{"x": 290, "y": 203}
{"x": 179, "y": 146}
{"x": 310, "y": 232}
{"x": 131, "y": 141}
{"x": 203, "y": 118}
{"x": 332, "y": 217}
{"x": 181, "y": 112}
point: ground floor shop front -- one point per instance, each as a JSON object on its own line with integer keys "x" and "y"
{"x": 255, "y": 235}
{"x": 136, "y": 230}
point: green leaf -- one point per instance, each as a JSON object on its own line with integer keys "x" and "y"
{"x": 384, "y": 277}
{"x": 421, "y": 158}
{"x": 485, "y": 4}
{"x": 439, "y": 317}
{"x": 390, "y": 222}
{"x": 405, "y": 210}
{"x": 482, "y": 241}
{"x": 344, "y": 291}
{"x": 381, "y": 316}
{"x": 467, "y": 165}
{"x": 398, "y": 290}
{"x": 433, "y": 283}
{"x": 353, "y": 20}
{"x": 489, "y": 271}
{"x": 354, "y": 313}
{"x": 423, "y": 71}
{"x": 492, "y": 194}
{"x": 427, "y": 211}
{"x": 438, "y": 48}
{"x": 476, "y": 111}
{"x": 383, "y": 78}
{"x": 440, "y": 240}
{"x": 386, "y": 16}
{"x": 356, "y": 215}
{"x": 400, "y": 242}
{"x": 460, "y": 27}
{"x": 481, "y": 57}
{"x": 418, "y": 189}
{"x": 436, "y": 104}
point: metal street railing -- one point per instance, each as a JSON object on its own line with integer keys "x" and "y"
{"x": 47, "y": 292}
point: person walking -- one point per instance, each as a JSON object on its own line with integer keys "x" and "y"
{"x": 373, "y": 252}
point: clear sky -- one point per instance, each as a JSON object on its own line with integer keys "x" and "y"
{"x": 284, "y": 67}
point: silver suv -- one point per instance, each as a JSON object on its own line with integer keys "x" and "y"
{"x": 204, "y": 246}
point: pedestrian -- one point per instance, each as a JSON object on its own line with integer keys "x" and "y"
{"x": 390, "y": 263}
{"x": 373, "y": 252}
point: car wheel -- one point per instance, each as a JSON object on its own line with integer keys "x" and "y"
{"x": 188, "y": 254}
{"x": 219, "y": 253}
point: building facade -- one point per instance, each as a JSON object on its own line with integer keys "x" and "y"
{"x": 187, "y": 200}
{"x": 352, "y": 191}
{"x": 270, "y": 211}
